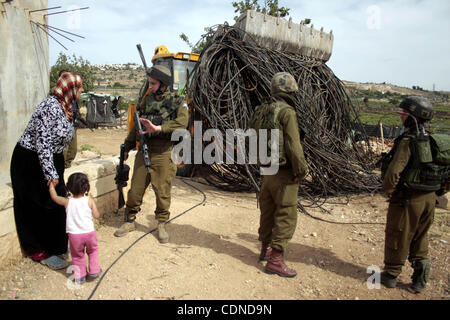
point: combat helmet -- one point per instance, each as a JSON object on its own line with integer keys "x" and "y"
{"x": 161, "y": 73}
{"x": 419, "y": 107}
{"x": 283, "y": 82}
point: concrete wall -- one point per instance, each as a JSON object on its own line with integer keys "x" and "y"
{"x": 285, "y": 35}
{"x": 101, "y": 175}
{"x": 24, "y": 72}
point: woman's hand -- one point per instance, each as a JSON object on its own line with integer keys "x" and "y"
{"x": 151, "y": 128}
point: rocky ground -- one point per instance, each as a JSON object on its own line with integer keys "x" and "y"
{"x": 213, "y": 250}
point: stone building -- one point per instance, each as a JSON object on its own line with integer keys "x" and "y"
{"x": 24, "y": 71}
{"x": 24, "y": 82}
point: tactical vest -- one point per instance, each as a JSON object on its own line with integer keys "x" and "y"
{"x": 160, "y": 112}
{"x": 429, "y": 165}
{"x": 266, "y": 116}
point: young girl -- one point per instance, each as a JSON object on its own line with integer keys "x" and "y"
{"x": 80, "y": 209}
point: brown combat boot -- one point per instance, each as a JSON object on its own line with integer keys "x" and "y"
{"x": 125, "y": 228}
{"x": 276, "y": 265}
{"x": 266, "y": 250}
{"x": 163, "y": 236}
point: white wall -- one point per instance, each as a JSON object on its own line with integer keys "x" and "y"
{"x": 24, "y": 72}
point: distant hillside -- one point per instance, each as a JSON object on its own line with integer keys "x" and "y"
{"x": 131, "y": 76}
{"x": 126, "y": 80}
{"x": 388, "y": 90}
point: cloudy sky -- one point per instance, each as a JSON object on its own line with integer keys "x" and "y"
{"x": 403, "y": 42}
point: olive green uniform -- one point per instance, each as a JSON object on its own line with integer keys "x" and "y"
{"x": 71, "y": 151}
{"x": 278, "y": 195}
{"x": 174, "y": 114}
{"x": 410, "y": 215}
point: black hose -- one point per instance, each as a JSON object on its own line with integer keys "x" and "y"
{"x": 143, "y": 236}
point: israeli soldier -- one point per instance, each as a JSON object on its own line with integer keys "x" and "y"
{"x": 412, "y": 197}
{"x": 162, "y": 112}
{"x": 71, "y": 151}
{"x": 279, "y": 191}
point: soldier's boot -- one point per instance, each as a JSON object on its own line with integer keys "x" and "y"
{"x": 266, "y": 250}
{"x": 388, "y": 280}
{"x": 276, "y": 265}
{"x": 128, "y": 226}
{"x": 163, "y": 236}
{"x": 420, "y": 275}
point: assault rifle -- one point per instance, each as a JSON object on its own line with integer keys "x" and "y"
{"x": 143, "y": 148}
{"x": 122, "y": 175}
{"x": 144, "y": 63}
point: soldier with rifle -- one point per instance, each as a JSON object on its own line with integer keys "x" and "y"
{"x": 161, "y": 112}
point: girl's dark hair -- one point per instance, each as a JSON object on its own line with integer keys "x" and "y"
{"x": 78, "y": 184}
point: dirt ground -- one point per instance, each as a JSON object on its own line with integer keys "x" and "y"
{"x": 213, "y": 251}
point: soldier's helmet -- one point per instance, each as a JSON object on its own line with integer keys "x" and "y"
{"x": 283, "y": 82}
{"x": 419, "y": 107}
{"x": 161, "y": 73}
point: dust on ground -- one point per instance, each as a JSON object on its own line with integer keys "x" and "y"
{"x": 213, "y": 251}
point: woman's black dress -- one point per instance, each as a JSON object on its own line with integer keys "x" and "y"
{"x": 38, "y": 158}
{"x": 40, "y": 223}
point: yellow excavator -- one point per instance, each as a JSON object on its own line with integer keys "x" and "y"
{"x": 181, "y": 64}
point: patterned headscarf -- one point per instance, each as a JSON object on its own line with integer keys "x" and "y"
{"x": 66, "y": 90}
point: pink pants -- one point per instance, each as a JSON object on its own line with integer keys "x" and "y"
{"x": 78, "y": 242}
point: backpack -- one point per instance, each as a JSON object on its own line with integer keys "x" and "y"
{"x": 429, "y": 166}
{"x": 266, "y": 116}
{"x": 440, "y": 147}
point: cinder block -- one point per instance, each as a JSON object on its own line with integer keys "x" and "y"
{"x": 107, "y": 203}
{"x": 442, "y": 202}
{"x": 102, "y": 186}
{"x": 6, "y": 197}
{"x": 7, "y": 222}
{"x": 9, "y": 248}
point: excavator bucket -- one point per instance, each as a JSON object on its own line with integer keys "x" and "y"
{"x": 280, "y": 34}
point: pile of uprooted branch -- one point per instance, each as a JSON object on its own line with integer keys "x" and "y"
{"x": 233, "y": 77}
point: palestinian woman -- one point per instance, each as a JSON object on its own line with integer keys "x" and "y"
{"x": 36, "y": 162}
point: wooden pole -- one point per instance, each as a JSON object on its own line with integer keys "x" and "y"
{"x": 382, "y": 136}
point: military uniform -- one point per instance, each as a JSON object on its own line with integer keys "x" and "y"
{"x": 171, "y": 113}
{"x": 411, "y": 179}
{"x": 71, "y": 151}
{"x": 410, "y": 215}
{"x": 278, "y": 194}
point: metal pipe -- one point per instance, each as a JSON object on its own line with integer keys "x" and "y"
{"x": 50, "y": 35}
{"x": 73, "y": 34}
{"x": 44, "y": 9}
{"x": 45, "y": 26}
{"x": 49, "y": 14}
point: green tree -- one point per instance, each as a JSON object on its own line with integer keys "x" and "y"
{"x": 197, "y": 48}
{"x": 271, "y": 7}
{"x": 76, "y": 65}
